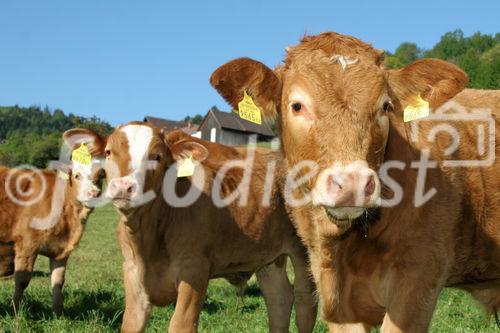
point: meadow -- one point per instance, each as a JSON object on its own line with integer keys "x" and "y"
{"x": 94, "y": 297}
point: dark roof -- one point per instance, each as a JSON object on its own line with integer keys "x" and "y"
{"x": 190, "y": 129}
{"x": 232, "y": 121}
{"x": 169, "y": 125}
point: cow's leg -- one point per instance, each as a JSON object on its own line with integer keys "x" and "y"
{"x": 278, "y": 294}
{"x": 191, "y": 290}
{"x": 411, "y": 300}
{"x": 57, "y": 272}
{"x": 306, "y": 307}
{"x": 137, "y": 305}
{"x": 6, "y": 260}
{"x": 23, "y": 264}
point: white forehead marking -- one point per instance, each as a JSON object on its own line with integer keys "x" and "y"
{"x": 139, "y": 137}
{"x": 344, "y": 61}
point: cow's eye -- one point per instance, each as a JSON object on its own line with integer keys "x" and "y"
{"x": 107, "y": 152}
{"x": 77, "y": 176}
{"x": 157, "y": 157}
{"x": 387, "y": 107}
{"x": 297, "y": 107}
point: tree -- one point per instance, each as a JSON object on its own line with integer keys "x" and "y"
{"x": 478, "y": 55}
{"x": 197, "y": 119}
{"x": 405, "y": 54}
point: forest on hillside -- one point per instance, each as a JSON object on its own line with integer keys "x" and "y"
{"x": 478, "y": 55}
{"x": 32, "y": 135}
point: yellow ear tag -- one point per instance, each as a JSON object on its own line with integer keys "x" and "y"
{"x": 185, "y": 168}
{"x": 82, "y": 155}
{"x": 248, "y": 110}
{"x": 63, "y": 175}
{"x": 420, "y": 109}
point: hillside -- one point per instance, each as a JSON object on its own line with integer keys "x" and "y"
{"x": 33, "y": 135}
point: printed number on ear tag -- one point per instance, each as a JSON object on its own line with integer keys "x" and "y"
{"x": 82, "y": 155}
{"x": 420, "y": 109}
{"x": 248, "y": 110}
{"x": 185, "y": 168}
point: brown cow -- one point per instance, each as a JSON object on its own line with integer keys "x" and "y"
{"x": 338, "y": 106}
{"x": 171, "y": 250}
{"x": 42, "y": 213}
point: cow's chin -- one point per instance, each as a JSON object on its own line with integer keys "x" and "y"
{"x": 341, "y": 215}
{"x": 122, "y": 203}
{"x": 89, "y": 202}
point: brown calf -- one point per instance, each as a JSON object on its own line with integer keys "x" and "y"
{"x": 42, "y": 213}
{"x": 171, "y": 250}
{"x": 337, "y": 106}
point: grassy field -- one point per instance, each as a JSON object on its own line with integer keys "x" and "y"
{"x": 94, "y": 297}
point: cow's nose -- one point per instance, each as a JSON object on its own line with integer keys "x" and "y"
{"x": 93, "y": 193}
{"x": 352, "y": 189}
{"x": 122, "y": 188}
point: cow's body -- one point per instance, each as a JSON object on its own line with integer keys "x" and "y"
{"x": 453, "y": 240}
{"x": 338, "y": 106}
{"x": 56, "y": 242}
{"x": 170, "y": 253}
{"x": 44, "y": 212}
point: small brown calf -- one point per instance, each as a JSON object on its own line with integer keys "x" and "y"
{"x": 42, "y": 213}
{"x": 171, "y": 251}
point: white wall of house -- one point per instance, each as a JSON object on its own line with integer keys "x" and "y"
{"x": 197, "y": 134}
{"x": 213, "y": 134}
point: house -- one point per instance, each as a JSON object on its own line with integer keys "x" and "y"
{"x": 230, "y": 129}
{"x": 218, "y": 126}
{"x": 169, "y": 125}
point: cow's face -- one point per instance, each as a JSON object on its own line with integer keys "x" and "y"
{"x": 136, "y": 160}
{"x": 334, "y": 102}
{"x": 85, "y": 180}
{"x": 334, "y": 116}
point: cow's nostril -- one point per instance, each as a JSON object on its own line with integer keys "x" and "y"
{"x": 370, "y": 186}
{"x": 132, "y": 189}
{"x": 334, "y": 184}
{"x": 113, "y": 188}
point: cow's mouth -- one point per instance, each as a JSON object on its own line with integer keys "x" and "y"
{"x": 361, "y": 218}
{"x": 344, "y": 213}
{"x": 121, "y": 202}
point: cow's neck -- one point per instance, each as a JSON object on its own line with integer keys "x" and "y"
{"x": 144, "y": 226}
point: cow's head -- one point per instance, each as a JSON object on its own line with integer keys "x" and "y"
{"x": 334, "y": 103}
{"x": 137, "y": 156}
{"x": 85, "y": 180}
{"x": 136, "y": 160}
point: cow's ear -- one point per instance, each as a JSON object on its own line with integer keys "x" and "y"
{"x": 60, "y": 166}
{"x": 232, "y": 79}
{"x": 436, "y": 81}
{"x": 185, "y": 149}
{"x": 75, "y": 137}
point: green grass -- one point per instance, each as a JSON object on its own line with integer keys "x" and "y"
{"x": 94, "y": 297}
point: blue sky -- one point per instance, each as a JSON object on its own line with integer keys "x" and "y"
{"x": 121, "y": 60}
